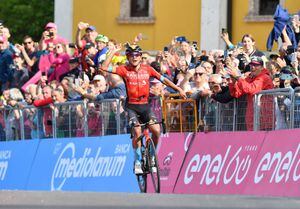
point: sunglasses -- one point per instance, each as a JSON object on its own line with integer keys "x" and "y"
{"x": 200, "y": 74}
{"x": 134, "y": 54}
{"x": 214, "y": 84}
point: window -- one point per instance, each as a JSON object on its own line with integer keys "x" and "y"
{"x": 139, "y": 8}
{"x": 267, "y": 7}
{"x": 136, "y": 12}
{"x": 262, "y": 10}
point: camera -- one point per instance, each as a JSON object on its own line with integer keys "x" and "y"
{"x": 277, "y": 75}
{"x": 195, "y": 45}
{"x": 224, "y": 30}
{"x": 290, "y": 49}
{"x": 72, "y": 45}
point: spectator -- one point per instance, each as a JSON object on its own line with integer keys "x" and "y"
{"x": 6, "y": 60}
{"x": 258, "y": 80}
{"x": 101, "y": 42}
{"x": 19, "y": 71}
{"x": 50, "y": 36}
{"x": 30, "y": 55}
{"x": 60, "y": 61}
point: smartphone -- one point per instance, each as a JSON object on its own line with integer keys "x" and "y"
{"x": 296, "y": 18}
{"x": 224, "y": 30}
{"x": 294, "y": 57}
{"x": 76, "y": 82}
{"x": 225, "y": 54}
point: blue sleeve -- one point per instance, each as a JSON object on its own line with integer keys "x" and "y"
{"x": 270, "y": 41}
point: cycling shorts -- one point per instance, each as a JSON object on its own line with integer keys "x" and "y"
{"x": 140, "y": 113}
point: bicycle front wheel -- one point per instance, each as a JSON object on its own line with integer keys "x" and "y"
{"x": 153, "y": 166}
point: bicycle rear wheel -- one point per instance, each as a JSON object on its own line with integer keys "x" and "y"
{"x": 142, "y": 181}
{"x": 153, "y": 166}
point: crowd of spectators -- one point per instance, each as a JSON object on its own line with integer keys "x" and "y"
{"x": 43, "y": 72}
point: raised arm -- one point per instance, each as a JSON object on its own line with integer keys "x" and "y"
{"x": 106, "y": 63}
{"x": 80, "y": 27}
{"x": 173, "y": 86}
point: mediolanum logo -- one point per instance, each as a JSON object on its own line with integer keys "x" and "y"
{"x": 88, "y": 164}
{"x": 4, "y": 157}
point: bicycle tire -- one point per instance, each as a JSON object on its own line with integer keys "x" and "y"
{"x": 155, "y": 173}
{"x": 142, "y": 182}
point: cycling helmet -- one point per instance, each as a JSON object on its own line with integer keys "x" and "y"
{"x": 132, "y": 48}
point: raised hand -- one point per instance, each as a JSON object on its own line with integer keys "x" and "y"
{"x": 82, "y": 25}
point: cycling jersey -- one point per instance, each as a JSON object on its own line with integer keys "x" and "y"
{"x": 137, "y": 82}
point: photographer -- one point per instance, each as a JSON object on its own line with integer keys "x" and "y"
{"x": 50, "y": 36}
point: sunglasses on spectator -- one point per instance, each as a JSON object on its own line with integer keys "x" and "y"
{"x": 29, "y": 42}
{"x": 144, "y": 58}
{"x": 200, "y": 74}
{"x": 213, "y": 84}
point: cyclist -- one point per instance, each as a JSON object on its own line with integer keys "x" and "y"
{"x": 136, "y": 77}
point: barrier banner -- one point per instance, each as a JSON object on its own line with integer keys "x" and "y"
{"x": 277, "y": 169}
{"x": 84, "y": 164}
{"x": 219, "y": 163}
{"x": 171, "y": 151}
{"x": 16, "y": 158}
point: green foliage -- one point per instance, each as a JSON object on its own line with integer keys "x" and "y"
{"x": 26, "y": 17}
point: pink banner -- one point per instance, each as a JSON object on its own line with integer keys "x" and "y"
{"x": 277, "y": 169}
{"x": 219, "y": 163}
{"x": 171, "y": 152}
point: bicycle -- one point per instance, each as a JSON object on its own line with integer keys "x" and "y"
{"x": 149, "y": 158}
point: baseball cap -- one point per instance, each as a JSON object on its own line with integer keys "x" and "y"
{"x": 101, "y": 38}
{"x": 3, "y": 39}
{"x": 256, "y": 61}
{"x": 91, "y": 27}
{"x": 51, "y": 25}
{"x": 89, "y": 45}
{"x": 274, "y": 56}
{"x": 98, "y": 78}
{"x": 286, "y": 73}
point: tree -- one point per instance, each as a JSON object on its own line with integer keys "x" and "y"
{"x": 24, "y": 17}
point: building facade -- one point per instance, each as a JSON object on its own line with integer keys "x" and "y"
{"x": 160, "y": 20}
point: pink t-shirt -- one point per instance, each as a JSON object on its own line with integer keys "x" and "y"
{"x": 61, "y": 63}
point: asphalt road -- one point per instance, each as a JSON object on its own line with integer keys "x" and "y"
{"x": 89, "y": 200}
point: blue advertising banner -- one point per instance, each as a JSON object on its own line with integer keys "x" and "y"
{"x": 84, "y": 164}
{"x": 16, "y": 158}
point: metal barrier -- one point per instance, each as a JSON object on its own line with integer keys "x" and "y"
{"x": 215, "y": 116}
{"x": 180, "y": 114}
{"x": 272, "y": 109}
